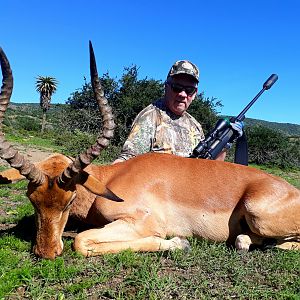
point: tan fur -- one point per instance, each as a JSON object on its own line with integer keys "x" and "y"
{"x": 10, "y": 176}
{"x": 144, "y": 200}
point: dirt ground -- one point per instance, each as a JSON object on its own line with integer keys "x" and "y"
{"x": 33, "y": 154}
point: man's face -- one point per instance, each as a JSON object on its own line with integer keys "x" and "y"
{"x": 179, "y": 93}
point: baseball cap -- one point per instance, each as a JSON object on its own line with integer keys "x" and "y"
{"x": 184, "y": 67}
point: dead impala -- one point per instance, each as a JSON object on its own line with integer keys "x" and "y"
{"x": 138, "y": 203}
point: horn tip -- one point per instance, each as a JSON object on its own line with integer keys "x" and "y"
{"x": 93, "y": 66}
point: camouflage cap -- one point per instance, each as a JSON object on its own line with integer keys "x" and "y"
{"x": 184, "y": 67}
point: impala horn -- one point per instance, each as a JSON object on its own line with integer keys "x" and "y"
{"x": 12, "y": 156}
{"x": 85, "y": 158}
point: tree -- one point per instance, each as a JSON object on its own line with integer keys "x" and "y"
{"x": 46, "y": 86}
{"x": 127, "y": 96}
{"x": 133, "y": 95}
{"x": 205, "y": 110}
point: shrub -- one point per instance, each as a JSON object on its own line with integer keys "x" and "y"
{"x": 20, "y": 122}
{"x": 270, "y": 147}
{"x": 73, "y": 143}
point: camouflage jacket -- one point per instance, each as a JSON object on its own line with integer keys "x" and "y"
{"x": 156, "y": 129}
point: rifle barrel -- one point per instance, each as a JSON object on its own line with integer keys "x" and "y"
{"x": 267, "y": 85}
{"x": 241, "y": 115}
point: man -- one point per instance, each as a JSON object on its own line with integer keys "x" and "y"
{"x": 165, "y": 126}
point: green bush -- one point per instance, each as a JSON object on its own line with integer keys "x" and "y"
{"x": 108, "y": 155}
{"x": 29, "y": 124}
{"x": 73, "y": 143}
{"x": 270, "y": 147}
{"x": 20, "y": 122}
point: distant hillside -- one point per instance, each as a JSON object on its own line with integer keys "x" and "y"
{"x": 34, "y": 110}
{"x": 286, "y": 128}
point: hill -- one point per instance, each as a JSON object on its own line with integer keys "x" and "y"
{"x": 286, "y": 128}
{"x": 33, "y": 109}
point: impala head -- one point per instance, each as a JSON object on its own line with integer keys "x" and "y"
{"x": 51, "y": 188}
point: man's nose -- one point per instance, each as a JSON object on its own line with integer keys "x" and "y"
{"x": 183, "y": 94}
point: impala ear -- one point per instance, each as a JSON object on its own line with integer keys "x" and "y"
{"x": 10, "y": 176}
{"x": 92, "y": 184}
{"x": 97, "y": 187}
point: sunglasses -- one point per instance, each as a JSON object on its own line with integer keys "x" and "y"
{"x": 178, "y": 88}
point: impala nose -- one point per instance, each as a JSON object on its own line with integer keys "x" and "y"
{"x": 48, "y": 252}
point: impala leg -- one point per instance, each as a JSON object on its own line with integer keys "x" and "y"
{"x": 121, "y": 235}
{"x": 272, "y": 214}
{"x": 10, "y": 176}
{"x": 244, "y": 241}
{"x": 288, "y": 245}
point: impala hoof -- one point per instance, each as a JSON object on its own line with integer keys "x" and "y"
{"x": 243, "y": 242}
{"x": 180, "y": 243}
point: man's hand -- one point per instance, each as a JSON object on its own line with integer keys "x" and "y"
{"x": 238, "y": 127}
{"x": 118, "y": 160}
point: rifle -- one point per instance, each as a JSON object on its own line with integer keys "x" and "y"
{"x": 222, "y": 134}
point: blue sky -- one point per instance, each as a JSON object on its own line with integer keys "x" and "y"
{"x": 236, "y": 44}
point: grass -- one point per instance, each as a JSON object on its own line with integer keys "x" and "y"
{"x": 209, "y": 271}
{"x": 293, "y": 177}
{"x": 40, "y": 142}
{"x": 14, "y": 205}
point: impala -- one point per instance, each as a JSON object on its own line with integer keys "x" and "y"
{"x": 139, "y": 203}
